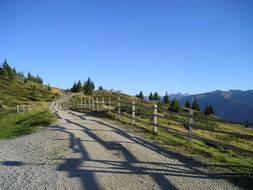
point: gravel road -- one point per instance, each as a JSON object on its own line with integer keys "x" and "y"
{"x": 84, "y": 152}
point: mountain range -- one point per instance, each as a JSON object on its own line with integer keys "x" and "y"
{"x": 235, "y": 105}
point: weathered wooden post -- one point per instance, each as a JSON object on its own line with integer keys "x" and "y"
{"x": 89, "y": 103}
{"x": 103, "y": 103}
{"x": 93, "y": 104}
{"x": 190, "y": 121}
{"x": 17, "y": 108}
{"x": 119, "y": 106}
{"x": 81, "y": 102}
{"x": 133, "y": 112}
{"x": 110, "y": 105}
{"x": 155, "y": 119}
{"x": 23, "y": 108}
{"x": 85, "y": 103}
{"x": 97, "y": 103}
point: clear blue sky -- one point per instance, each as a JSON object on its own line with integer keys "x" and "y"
{"x": 131, "y": 45}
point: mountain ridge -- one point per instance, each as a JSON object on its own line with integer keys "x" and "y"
{"x": 236, "y": 105}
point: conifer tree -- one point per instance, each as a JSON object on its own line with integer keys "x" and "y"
{"x": 38, "y": 80}
{"x": 187, "y": 104}
{"x": 211, "y": 109}
{"x": 10, "y": 71}
{"x": 100, "y": 88}
{"x": 4, "y": 73}
{"x": 166, "y": 99}
{"x": 151, "y": 96}
{"x": 156, "y": 96}
{"x": 29, "y": 76}
{"x": 74, "y": 87}
{"x": 175, "y": 106}
{"x": 140, "y": 95}
{"x": 195, "y": 105}
{"x": 79, "y": 87}
{"x": 88, "y": 87}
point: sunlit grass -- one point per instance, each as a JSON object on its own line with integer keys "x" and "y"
{"x": 16, "y": 124}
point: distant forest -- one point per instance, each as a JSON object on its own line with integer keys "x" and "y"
{"x": 9, "y": 73}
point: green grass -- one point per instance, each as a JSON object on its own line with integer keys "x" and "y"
{"x": 16, "y": 124}
{"x": 14, "y": 92}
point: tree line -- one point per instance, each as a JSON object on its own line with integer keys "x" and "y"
{"x": 9, "y": 73}
{"x": 174, "y": 105}
{"x": 87, "y": 87}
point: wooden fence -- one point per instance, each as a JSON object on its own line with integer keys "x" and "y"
{"x": 154, "y": 113}
{"x": 18, "y": 108}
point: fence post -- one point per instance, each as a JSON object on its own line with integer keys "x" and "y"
{"x": 119, "y": 106}
{"x": 89, "y": 103}
{"x": 81, "y": 103}
{"x": 155, "y": 119}
{"x": 110, "y": 105}
{"x": 97, "y": 101}
{"x": 190, "y": 121}
{"x": 18, "y": 108}
{"x": 23, "y": 108}
{"x": 93, "y": 104}
{"x": 103, "y": 103}
{"x": 133, "y": 113}
{"x": 85, "y": 103}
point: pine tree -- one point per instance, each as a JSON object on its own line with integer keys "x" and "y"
{"x": 4, "y": 73}
{"x": 166, "y": 99}
{"x": 140, "y": 95}
{"x": 100, "y": 88}
{"x": 74, "y": 87}
{"x": 10, "y": 71}
{"x": 187, "y": 104}
{"x": 88, "y": 87}
{"x": 175, "y": 106}
{"x": 79, "y": 87}
{"x": 195, "y": 105}
{"x": 21, "y": 75}
{"x": 29, "y": 76}
{"x": 207, "y": 110}
{"x": 38, "y": 79}
{"x": 156, "y": 96}
{"x": 211, "y": 109}
{"x": 151, "y": 96}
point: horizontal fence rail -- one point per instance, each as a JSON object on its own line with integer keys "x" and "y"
{"x": 18, "y": 108}
{"x": 133, "y": 109}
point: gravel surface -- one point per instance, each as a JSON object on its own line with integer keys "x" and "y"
{"x": 84, "y": 152}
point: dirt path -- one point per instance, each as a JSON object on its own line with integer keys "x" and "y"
{"x": 84, "y": 152}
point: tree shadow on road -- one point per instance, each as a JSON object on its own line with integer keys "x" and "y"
{"x": 189, "y": 167}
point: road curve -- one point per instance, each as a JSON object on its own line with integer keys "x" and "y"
{"x": 83, "y": 152}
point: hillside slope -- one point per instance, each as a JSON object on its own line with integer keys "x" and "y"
{"x": 14, "y": 92}
{"x": 232, "y": 105}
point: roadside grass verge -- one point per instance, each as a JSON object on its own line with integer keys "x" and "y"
{"x": 16, "y": 124}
